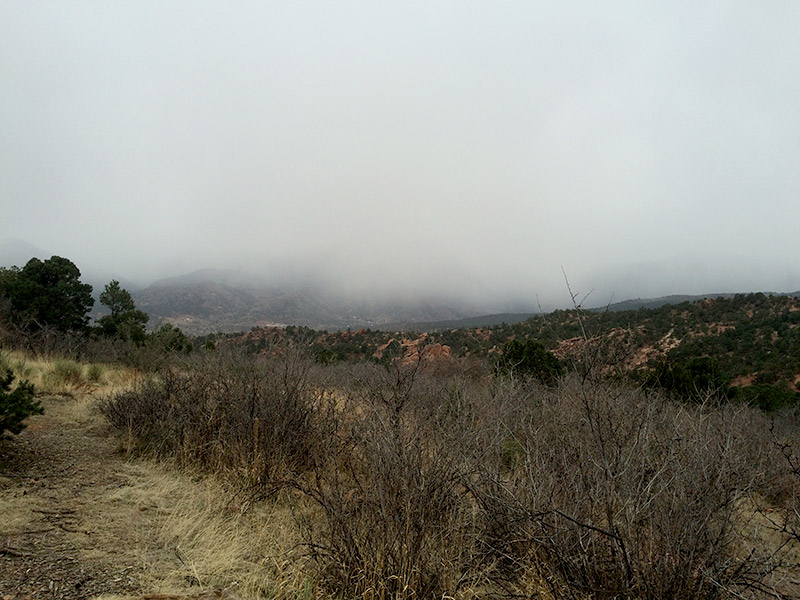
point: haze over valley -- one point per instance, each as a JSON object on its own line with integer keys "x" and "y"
{"x": 449, "y": 154}
{"x": 229, "y": 300}
{"x": 455, "y": 151}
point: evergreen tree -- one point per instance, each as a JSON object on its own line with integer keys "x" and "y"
{"x": 48, "y": 293}
{"x": 125, "y": 321}
{"x": 17, "y": 405}
{"x": 530, "y": 358}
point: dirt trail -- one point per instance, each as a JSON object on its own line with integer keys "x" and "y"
{"x": 59, "y": 538}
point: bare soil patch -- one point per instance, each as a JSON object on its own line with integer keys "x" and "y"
{"x": 59, "y": 535}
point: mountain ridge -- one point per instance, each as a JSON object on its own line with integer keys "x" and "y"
{"x": 208, "y": 307}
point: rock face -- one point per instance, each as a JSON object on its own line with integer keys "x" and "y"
{"x": 414, "y": 350}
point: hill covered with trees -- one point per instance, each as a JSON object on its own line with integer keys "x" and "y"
{"x": 751, "y": 342}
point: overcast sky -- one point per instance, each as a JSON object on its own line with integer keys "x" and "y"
{"x": 645, "y": 147}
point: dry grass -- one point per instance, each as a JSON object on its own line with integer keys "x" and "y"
{"x": 75, "y": 388}
{"x": 17, "y": 513}
{"x": 199, "y": 536}
{"x": 175, "y": 532}
{"x": 419, "y": 491}
{"x": 52, "y": 376}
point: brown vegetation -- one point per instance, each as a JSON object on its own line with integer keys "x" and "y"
{"x": 409, "y": 482}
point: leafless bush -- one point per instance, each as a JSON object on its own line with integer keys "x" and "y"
{"x": 250, "y": 417}
{"x": 782, "y": 511}
{"x": 408, "y": 482}
{"x": 398, "y": 520}
{"x": 618, "y": 493}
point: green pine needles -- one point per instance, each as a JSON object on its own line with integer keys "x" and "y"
{"x": 16, "y": 405}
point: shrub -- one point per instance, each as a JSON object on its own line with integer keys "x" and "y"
{"x": 621, "y": 493}
{"x": 169, "y": 338}
{"x": 397, "y": 520}
{"x": 67, "y": 372}
{"x": 694, "y": 379}
{"x": 530, "y": 359}
{"x": 408, "y": 482}
{"x": 16, "y": 405}
{"x": 769, "y": 397}
{"x": 252, "y": 418}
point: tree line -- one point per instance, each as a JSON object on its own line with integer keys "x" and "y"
{"x": 49, "y": 293}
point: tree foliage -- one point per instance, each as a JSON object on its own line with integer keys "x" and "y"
{"x": 48, "y": 293}
{"x": 16, "y": 405}
{"x": 530, "y": 358}
{"x": 770, "y": 397}
{"x": 693, "y": 379}
{"x": 170, "y": 339}
{"x": 125, "y": 321}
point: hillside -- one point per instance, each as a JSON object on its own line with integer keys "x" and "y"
{"x": 500, "y": 319}
{"x": 754, "y": 339}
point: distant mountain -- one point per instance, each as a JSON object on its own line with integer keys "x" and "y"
{"x": 652, "y": 303}
{"x": 205, "y": 300}
{"x": 209, "y": 301}
{"x": 217, "y": 300}
{"x": 17, "y": 253}
{"x": 232, "y": 278}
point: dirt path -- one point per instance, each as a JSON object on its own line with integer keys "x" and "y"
{"x": 58, "y": 536}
